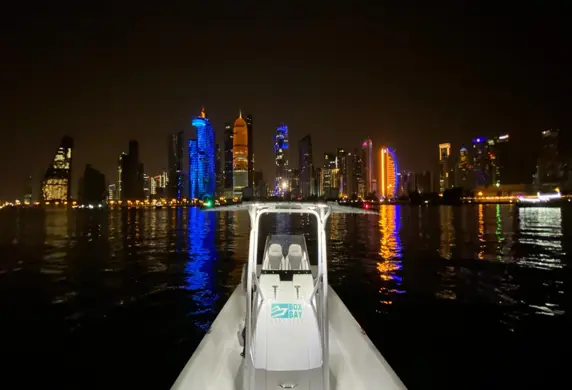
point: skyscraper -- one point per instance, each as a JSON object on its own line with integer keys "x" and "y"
{"x": 464, "y": 171}
{"x": 202, "y": 172}
{"x": 499, "y": 156}
{"x": 132, "y": 174}
{"x": 281, "y": 152}
{"x": 228, "y": 144}
{"x": 388, "y": 173}
{"x": 329, "y": 176}
{"x": 219, "y": 187}
{"x": 306, "y": 166}
{"x": 92, "y": 186}
{"x": 444, "y": 166}
{"x": 56, "y": 185}
{"x": 551, "y": 167}
{"x": 240, "y": 161}
{"x": 481, "y": 162}
{"x": 176, "y": 150}
{"x": 193, "y": 170}
{"x": 342, "y": 166}
{"x": 367, "y": 161}
{"x": 250, "y": 151}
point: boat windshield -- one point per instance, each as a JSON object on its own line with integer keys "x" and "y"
{"x": 285, "y": 252}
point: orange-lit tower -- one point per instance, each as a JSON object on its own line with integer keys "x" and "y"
{"x": 388, "y": 173}
{"x": 240, "y": 155}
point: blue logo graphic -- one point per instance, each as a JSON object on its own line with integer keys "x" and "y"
{"x": 286, "y": 310}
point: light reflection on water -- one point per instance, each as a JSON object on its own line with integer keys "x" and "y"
{"x": 162, "y": 275}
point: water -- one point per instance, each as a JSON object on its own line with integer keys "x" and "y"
{"x": 454, "y": 297}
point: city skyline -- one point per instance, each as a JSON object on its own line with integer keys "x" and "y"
{"x": 448, "y": 82}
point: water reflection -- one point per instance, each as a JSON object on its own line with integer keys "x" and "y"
{"x": 447, "y": 232}
{"x": 390, "y": 252}
{"x": 541, "y": 237}
{"x": 203, "y": 256}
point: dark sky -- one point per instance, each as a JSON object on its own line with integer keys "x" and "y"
{"x": 409, "y": 76}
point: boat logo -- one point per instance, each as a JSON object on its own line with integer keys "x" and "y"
{"x": 286, "y": 310}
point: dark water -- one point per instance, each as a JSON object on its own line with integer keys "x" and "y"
{"x": 454, "y": 297}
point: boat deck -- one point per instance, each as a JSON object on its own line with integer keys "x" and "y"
{"x": 355, "y": 363}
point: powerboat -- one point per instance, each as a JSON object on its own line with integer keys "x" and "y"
{"x": 298, "y": 334}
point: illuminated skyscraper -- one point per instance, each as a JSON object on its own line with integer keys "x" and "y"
{"x": 240, "y": 155}
{"x": 228, "y": 171}
{"x": 306, "y": 166}
{"x": 250, "y": 152}
{"x": 56, "y": 185}
{"x": 193, "y": 170}
{"x": 464, "y": 171}
{"x": 342, "y": 166}
{"x": 444, "y": 166}
{"x": 176, "y": 150}
{"x": 219, "y": 186}
{"x": 551, "y": 170}
{"x": 481, "y": 161}
{"x": 367, "y": 161}
{"x": 202, "y": 174}
{"x": 281, "y": 183}
{"x": 388, "y": 173}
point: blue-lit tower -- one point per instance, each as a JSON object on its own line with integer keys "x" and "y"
{"x": 281, "y": 151}
{"x": 202, "y": 173}
{"x": 193, "y": 169}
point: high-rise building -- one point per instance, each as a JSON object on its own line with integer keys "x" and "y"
{"x": 92, "y": 188}
{"x": 464, "y": 171}
{"x": 481, "y": 162}
{"x": 111, "y": 192}
{"x": 342, "y": 166}
{"x": 131, "y": 174}
{"x": 281, "y": 182}
{"x": 175, "y": 153}
{"x": 444, "y": 166}
{"x": 423, "y": 182}
{"x": 219, "y": 186}
{"x": 146, "y": 187}
{"x": 194, "y": 192}
{"x": 28, "y": 191}
{"x": 388, "y": 173}
{"x": 499, "y": 157}
{"x": 240, "y": 156}
{"x": 367, "y": 161}
{"x": 356, "y": 182}
{"x": 306, "y": 166}
{"x": 551, "y": 171}
{"x": 56, "y": 185}
{"x": 250, "y": 151}
{"x": 228, "y": 157}
{"x": 202, "y": 159}
{"x": 329, "y": 180}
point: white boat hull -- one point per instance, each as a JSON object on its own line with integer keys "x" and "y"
{"x": 355, "y": 363}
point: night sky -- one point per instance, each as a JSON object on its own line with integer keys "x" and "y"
{"x": 409, "y": 76}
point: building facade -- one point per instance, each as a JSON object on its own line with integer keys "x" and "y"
{"x": 388, "y": 173}
{"x": 444, "y": 167}
{"x": 240, "y": 156}
{"x": 281, "y": 147}
{"x": 56, "y": 185}
{"x": 202, "y": 159}
{"x": 306, "y": 165}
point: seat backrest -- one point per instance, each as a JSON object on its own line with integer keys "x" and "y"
{"x": 295, "y": 256}
{"x": 275, "y": 257}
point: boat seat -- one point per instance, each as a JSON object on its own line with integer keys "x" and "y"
{"x": 274, "y": 257}
{"x": 295, "y": 256}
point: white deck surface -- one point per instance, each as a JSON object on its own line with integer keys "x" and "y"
{"x": 355, "y": 363}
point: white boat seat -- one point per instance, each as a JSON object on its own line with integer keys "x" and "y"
{"x": 274, "y": 257}
{"x": 295, "y": 256}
